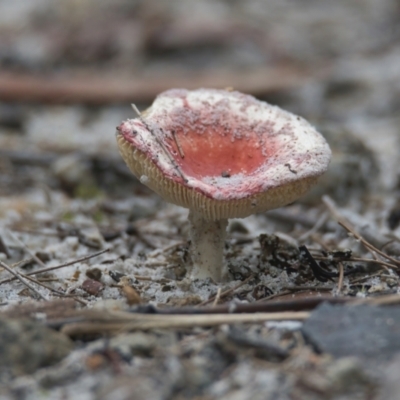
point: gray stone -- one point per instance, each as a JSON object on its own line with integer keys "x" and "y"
{"x": 364, "y": 331}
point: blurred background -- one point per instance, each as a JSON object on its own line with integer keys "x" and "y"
{"x": 70, "y": 69}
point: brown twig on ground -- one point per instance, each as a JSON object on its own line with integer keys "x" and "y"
{"x": 346, "y": 225}
{"x": 55, "y": 291}
{"x": 150, "y": 279}
{"x": 29, "y": 251}
{"x": 341, "y": 277}
{"x": 23, "y": 262}
{"x": 307, "y": 288}
{"x": 66, "y": 315}
{"x": 72, "y": 296}
{"x": 363, "y": 278}
{"x": 368, "y": 245}
{"x": 145, "y": 240}
{"x": 89, "y": 89}
{"x": 101, "y": 322}
{"x": 157, "y": 252}
{"x": 273, "y": 296}
{"x": 227, "y": 292}
{"x": 217, "y": 297}
{"x": 154, "y": 264}
{"x": 297, "y": 304}
{"x": 384, "y": 264}
{"x": 67, "y": 264}
{"x": 22, "y": 280}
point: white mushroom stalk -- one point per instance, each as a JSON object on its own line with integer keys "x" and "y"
{"x": 207, "y": 246}
{"x": 221, "y": 155}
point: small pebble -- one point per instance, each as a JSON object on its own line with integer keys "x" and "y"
{"x": 92, "y": 287}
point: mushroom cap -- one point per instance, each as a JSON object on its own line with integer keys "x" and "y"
{"x": 223, "y": 154}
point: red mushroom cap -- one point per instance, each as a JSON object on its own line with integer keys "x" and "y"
{"x": 222, "y": 153}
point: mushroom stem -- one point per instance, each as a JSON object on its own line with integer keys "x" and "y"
{"x": 207, "y": 246}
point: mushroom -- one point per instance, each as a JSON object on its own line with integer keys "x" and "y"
{"x": 221, "y": 154}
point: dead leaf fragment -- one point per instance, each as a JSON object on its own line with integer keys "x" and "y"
{"x": 132, "y": 296}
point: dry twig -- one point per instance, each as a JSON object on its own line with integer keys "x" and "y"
{"x": 29, "y": 251}
{"x": 217, "y": 297}
{"x": 157, "y": 252}
{"x": 384, "y": 264}
{"x": 22, "y": 280}
{"x": 346, "y": 225}
{"x": 55, "y": 291}
{"x": 227, "y": 292}
{"x": 341, "y": 277}
{"x": 307, "y": 288}
{"x": 273, "y": 296}
{"x": 101, "y": 322}
{"x": 67, "y": 264}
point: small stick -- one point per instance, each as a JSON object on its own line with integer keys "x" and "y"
{"x": 142, "y": 237}
{"x": 345, "y": 224}
{"x": 341, "y": 277}
{"x": 384, "y": 264}
{"x": 36, "y": 232}
{"x": 165, "y": 150}
{"x": 226, "y": 293}
{"x": 39, "y": 271}
{"x": 21, "y": 263}
{"x": 22, "y": 280}
{"x": 41, "y": 284}
{"x": 49, "y": 280}
{"x": 273, "y": 296}
{"x": 363, "y": 278}
{"x": 217, "y": 297}
{"x": 71, "y": 296}
{"x": 126, "y": 321}
{"x": 53, "y": 290}
{"x": 305, "y": 288}
{"x": 31, "y": 253}
{"x": 153, "y": 264}
{"x": 150, "y": 279}
{"x": 301, "y": 304}
{"x": 157, "y": 252}
{"x": 178, "y": 145}
{"x": 368, "y": 245}
{"x": 134, "y": 108}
